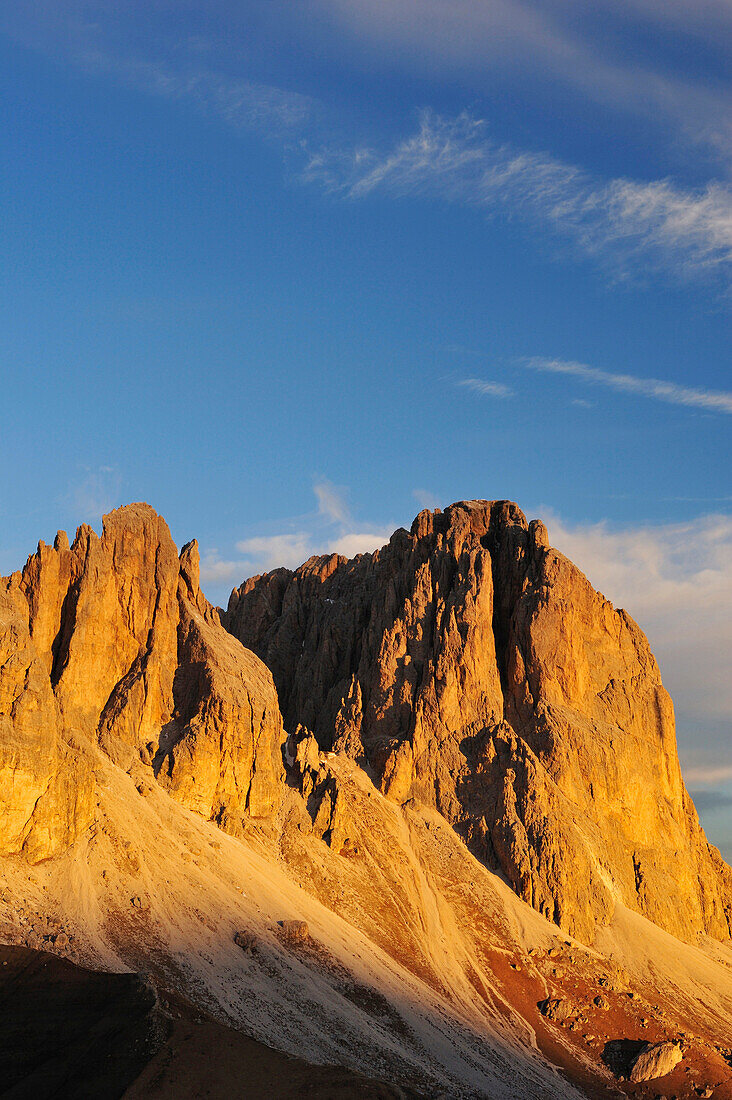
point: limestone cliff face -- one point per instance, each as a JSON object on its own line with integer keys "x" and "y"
{"x": 470, "y": 666}
{"x": 46, "y": 785}
{"x": 110, "y": 641}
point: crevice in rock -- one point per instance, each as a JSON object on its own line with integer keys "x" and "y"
{"x": 62, "y": 641}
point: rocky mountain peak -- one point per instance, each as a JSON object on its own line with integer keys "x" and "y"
{"x": 465, "y": 665}
{"x": 111, "y": 644}
{"x": 470, "y": 666}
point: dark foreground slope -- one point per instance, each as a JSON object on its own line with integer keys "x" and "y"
{"x": 69, "y": 1032}
{"x": 74, "y": 1034}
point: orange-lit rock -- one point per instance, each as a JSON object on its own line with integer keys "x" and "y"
{"x": 111, "y": 642}
{"x": 46, "y": 787}
{"x": 476, "y": 669}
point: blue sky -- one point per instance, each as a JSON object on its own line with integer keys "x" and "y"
{"x": 290, "y": 272}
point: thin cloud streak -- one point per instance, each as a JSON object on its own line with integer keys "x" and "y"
{"x": 578, "y": 47}
{"x": 632, "y": 223}
{"x": 568, "y": 44}
{"x": 708, "y": 776}
{"x": 239, "y": 103}
{"x": 656, "y": 388}
{"x": 331, "y": 502}
{"x": 486, "y": 388}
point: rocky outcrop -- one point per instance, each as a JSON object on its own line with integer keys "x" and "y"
{"x": 111, "y": 642}
{"x": 46, "y": 785}
{"x": 655, "y": 1061}
{"x": 470, "y": 666}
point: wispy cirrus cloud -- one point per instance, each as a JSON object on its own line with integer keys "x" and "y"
{"x": 331, "y": 529}
{"x": 654, "y": 224}
{"x": 631, "y": 225}
{"x": 332, "y": 502}
{"x": 655, "y": 388}
{"x": 663, "y": 62}
{"x": 486, "y": 388}
{"x": 581, "y": 47}
{"x": 240, "y": 103}
{"x": 426, "y": 499}
{"x": 96, "y": 492}
{"x": 168, "y": 53}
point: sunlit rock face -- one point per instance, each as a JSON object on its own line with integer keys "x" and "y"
{"x": 110, "y": 642}
{"x": 46, "y": 786}
{"x": 470, "y": 666}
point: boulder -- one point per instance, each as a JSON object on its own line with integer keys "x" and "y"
{"x": 656, "y": 1061}
{"x": 247, "y": 941}
{"x": 557, "y": 1009}
{"x": 294, "y": 931}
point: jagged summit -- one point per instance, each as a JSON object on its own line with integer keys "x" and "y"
{"x": 466, "y": 664}
{"x": 470, "y": 666}
{"x": 110, "y": 642}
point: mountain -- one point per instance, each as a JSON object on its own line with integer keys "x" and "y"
{"x": 110, "y": 642}
{"x": 473, "y": 668}
{"x": 418, "y": 814}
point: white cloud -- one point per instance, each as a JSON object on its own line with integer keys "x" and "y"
{"x": 97, "y": 493}
{"x": 330, "y": 530}
{"x": 584, "y": 46}
{"x": 215, "y": 570}
{"x": 331, "y": 502}
{"x": 426, "y": 499}
{"x": 454, "y": 160}
{"x": 486, "y": 389}
{"x": 676, "y": 581}
{"x": 269, "y": 552}
{"x": 714, "y": 400}
{"x": 653, "y": 220}
{"x": 358, "y": 542}
{"x": 241, "y": 103}
{"x": 663, "y": 61}
{"x": 708, "y": 776}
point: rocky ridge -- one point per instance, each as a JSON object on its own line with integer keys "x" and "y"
{"x": 337, "y": 922}
{"x": 470, "y": 666}
{"x": 109, "y": 643}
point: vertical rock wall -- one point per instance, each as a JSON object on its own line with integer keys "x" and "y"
{"x": 469, "y": 665}
{"x": 110, "y": 642}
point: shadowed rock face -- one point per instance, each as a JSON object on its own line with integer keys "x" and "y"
{"x": 110, "y": 641}
{"x": 469, "y": 665}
